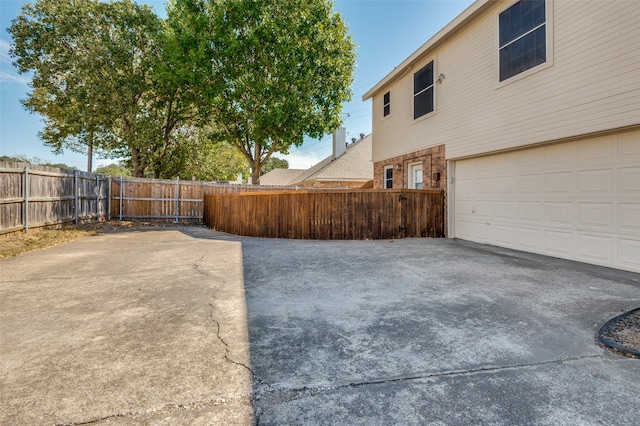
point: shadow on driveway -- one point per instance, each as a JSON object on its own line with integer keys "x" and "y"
{"x": 190, "y": 326}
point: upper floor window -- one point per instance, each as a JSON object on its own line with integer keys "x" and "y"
{"x": 386, "y": 104}
{"x": 523, "y": 37}
{"x": 388, "y": 177}
{"x": 423, "y": 91}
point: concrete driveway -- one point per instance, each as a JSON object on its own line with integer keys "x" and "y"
{"x": 190, "y": 326}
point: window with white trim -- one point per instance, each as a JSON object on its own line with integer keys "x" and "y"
{"x": 522, "y": 37}
{"x": 423, "y": 91}
{"x": 415, "y": 176}
{"x": 386, "y": 104}
{"x": 388, "y": 177}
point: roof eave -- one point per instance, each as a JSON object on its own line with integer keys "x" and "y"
{"x": 451, "y": 28}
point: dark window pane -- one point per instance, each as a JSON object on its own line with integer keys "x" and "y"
{"x": 523, "y": 54}
{"x": 423, "y": 78}
{"x": 519, "y": 19}
{"x": 389, "y": 173}
{"x": 423, "y": 103}
{"x": 387, "y": 110}
{"x": 386, "y": 98}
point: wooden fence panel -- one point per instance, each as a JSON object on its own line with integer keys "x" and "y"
{"x": 166, "y": 200}
{"x": 35, "y": 196}
{"x": 328, "y": 214}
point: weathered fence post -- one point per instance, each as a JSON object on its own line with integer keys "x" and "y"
{"x": 177, "y": 200}
{"x": 109, "y": 198}
{"x": 75, "y": 195}
{"x": 26, "y": 199}
{"x": 121, "y": 197}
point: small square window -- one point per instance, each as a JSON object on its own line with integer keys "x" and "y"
{"x": 386, "y": 104}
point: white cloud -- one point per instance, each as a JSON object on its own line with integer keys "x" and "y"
{"x": 298, "y": 160}
{"x": 8, "y": 77}
{"x": 4, "y": 49}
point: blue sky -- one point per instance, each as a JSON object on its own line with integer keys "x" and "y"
{"x": 385, "y": 31}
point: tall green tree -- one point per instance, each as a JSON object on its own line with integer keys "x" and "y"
{"x": 99, "y": 77}
{"x": 274, "y": 163}
{"x": 267, "y": 72}
{"x": 56, "y": 40}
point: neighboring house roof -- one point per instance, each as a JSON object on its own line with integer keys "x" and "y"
{"x": 354, "y": 165}
{"x": 280, "y": 177}
{"x": 454, "y": 26}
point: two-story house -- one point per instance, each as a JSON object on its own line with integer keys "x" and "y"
{"x": 528, "y": 114}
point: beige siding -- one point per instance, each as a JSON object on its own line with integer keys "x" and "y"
{"x": 593, "y": 85}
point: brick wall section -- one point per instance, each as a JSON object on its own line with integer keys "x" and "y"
{"x": 432, "y": 159}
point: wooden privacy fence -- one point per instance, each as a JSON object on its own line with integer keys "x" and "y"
{"x": 328, "y": 214}
{"x": 167, "y": 200}
{"x": 34, "y": 196}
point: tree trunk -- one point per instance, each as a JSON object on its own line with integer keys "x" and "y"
{"x": 255, "y": 174}
{"x": 90, "y": 153}
{"x": 135, "y": 160}
{"x": 256, "y": 167}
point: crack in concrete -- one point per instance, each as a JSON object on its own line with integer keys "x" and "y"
{"x": 268, "y": 395}
{"x": 167, "y": 408}
{"x": 225, "y": 344}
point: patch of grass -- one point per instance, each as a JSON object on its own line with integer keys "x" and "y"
{"x": 19, "y": 243}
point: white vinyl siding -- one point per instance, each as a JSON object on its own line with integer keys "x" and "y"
{"x": 590, "y": 85}
{"x": 576, "y": 200}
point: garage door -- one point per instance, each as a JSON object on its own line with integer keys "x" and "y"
{"x": 576, "y": 200}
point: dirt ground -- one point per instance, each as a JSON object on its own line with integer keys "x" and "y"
{"x": 18, "y": 243}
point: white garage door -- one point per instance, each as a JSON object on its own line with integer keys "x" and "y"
{"x": 576, "y": 200}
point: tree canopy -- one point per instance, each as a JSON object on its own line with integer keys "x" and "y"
{"x": 270, "y": 72}
{"x": 254, "y": 76}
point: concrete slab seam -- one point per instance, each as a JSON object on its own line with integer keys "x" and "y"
{"x": 281, "y": 395}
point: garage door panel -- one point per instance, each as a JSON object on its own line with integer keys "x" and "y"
{"x": 559, "y": 156}
{"x": 559, "y": 243}
{"x": 629, "y": 253}
{"x": 558, "y": 183}
{"x": 629, "y": 180}
{"x": 559, "y": 214}
{"x": 504, "y": 165}
{"x": 483, "y": 186}
{"x": 529, "y": 238}
{"x": 464, "y": 187}
{"x": 504, "y": 186}
{"x": 595, "y": 247}
{"x": 595, "y": 181}
{"x": 577, "y": 200}
{"x": 597, "y": 151}
{"x": 482, "y": 232}
{"x": 629, "y": 148}
{"x": 483, "y": 210}
{"x": 595, "y": 215}
{"x": 629, "y": 217}
{"x": 532, "y": 161}
{"x": 505, "y": 211}
{"x": 530, "y": 211}
{"x": 504, "y": 235}
{"x": 529, "y": 184}
{"x": 464, "y": 230}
